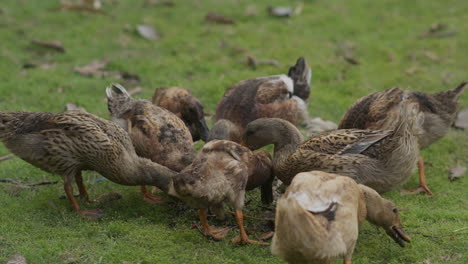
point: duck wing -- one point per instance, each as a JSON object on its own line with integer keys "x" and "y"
{"x": 344, "y": 141}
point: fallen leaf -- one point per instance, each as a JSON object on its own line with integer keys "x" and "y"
{"x": 412, "y": 70}
{"x": 426, "y": 261}
{"x": 53, "y": 45}
{"x": 457, "y": 172}
{"x": 130, "y": 77}
{"x": 431, "y": 55}
{"x": 447, "y": 77}
{"x": 451, "y": 258}
{"x": 94, "y": 68}
{"x": 215, "y": 17}
{"x": 6, "y": 157}
{"x": 438, "y": 31}
{"x": 71, "y": 106}
{"x": 147, "y": 32}
{"x": 92, "y": 6}
{"x": 60, "y": 90}
{"x": 158, "y": 3}
{"x": 280, "y": 11}
{"x": 346, "y": 50}
{"x": 135, "y": 90}
{"x": 462, "y": 119}
{"x": 44, "y": 66}
{"x": 251, "y": 10}
{"x": 17, "y": 259}
{"x": 254, "y": 62}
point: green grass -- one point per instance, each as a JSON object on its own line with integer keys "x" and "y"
{"x": 42, "y": 227}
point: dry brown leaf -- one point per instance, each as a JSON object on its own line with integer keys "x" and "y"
{"x": 254, "y": 62}
{"x": 52, "y": 45}
{"x": 44, "y": 66}
{"x": 17, "y": 259}
{"x": 346, "y": 50}
{"x": 251, "y": 10}
{"x": 70, "y": 106}
{"x": 438, "y": 31}
{"x": 6, "y": 157}
{"x": 147, "y": 32}
{"x": 158, "y": 3}
{"x": 431, "y": 55}
{"x": 217, "y": 18}
{"x": 412, "y": 70}
{"x": 457, "y": 172}
{"x": 462, "y": 119}
{"x": 94, "y": 68}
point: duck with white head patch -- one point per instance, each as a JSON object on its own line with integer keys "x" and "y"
{"x": 282, "y": 96}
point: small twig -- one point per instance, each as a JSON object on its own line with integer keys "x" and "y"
{"x": 6, "y": 157}
{"x": 27, "y": 185}
{"x": 424, "y": 235}
{"x": 460, "y": 229}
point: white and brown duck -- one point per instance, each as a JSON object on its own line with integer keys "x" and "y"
{"x": 282, "y": 96}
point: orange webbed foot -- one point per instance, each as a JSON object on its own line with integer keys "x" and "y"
{"x": 420, "y": 189}
{"x": 246, "y": 240}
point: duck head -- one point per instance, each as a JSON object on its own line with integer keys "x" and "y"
{"x": 194, "y": 117}
{"x": 119, "y": 104}
{"x": 265, "y": 131}
{"x": 302, "y": 76}
{"x": 384, "y": 213}
{"x": 224, "y": 129}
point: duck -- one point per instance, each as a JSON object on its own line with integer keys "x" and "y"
{"x": 156, "y": 133}
{"x": 439, "y": 110}
{"x": 282, "y": 96}
{"x": 182, "y": 103}
{"x": 74, "y": 141}
{"x": 222, "y": 170}
{"x": 318, "y": 217}
{"x": 380, "y": 159}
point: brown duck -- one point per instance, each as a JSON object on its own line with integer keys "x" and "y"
{"x": 282, "y": 96}
{"x": 318, "y": 218}
{"x": 182, "y": 103}
{"x": 439, "y": 111}
{"x": 68, "y": 143}
{"x": 380, "y": 159}
{"x": 74, "y": 141}
{"x": 156, "y": 133}
{"x": 222, "y": 170}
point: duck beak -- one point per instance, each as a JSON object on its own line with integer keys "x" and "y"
{"x": 399, "y": 234}
{"x": 203, "y": 129}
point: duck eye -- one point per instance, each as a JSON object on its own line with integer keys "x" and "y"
{"x": 395, "y": 210}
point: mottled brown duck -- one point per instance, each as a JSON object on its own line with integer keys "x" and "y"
{"x": 182, "y": 103}
{"x": 69, "y": 143}
{"x": 222, "y": 170}
{"x": 156, "y": 133}
{"x": 282, "y": 96}
{"x": 318, "y": 218}
{"x": 380, "y": 159}
{"x": 439, "y": 111}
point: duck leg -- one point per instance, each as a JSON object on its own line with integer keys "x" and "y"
{"x": 422, "y": 181}
{"x": 208, "y": 230}
{"x": 243, "y": 238}
{"x": 81, "y": 188}
{"x": 149, "y": 197}
{"x": 346, "y": 261}
{"x": 87, "y": 214}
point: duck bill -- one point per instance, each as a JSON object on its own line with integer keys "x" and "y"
{"x": 203, "y": 129}
{"x": 399, "y": 235}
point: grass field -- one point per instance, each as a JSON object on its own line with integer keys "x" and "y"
{"x": 383, "y": 36}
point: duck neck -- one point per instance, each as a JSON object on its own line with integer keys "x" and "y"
{"x": 375, "y": 205}
{"x": 285, "y": 139}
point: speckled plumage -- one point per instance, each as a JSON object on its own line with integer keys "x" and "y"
{"x": 182, "y": 103}
{"x": 281, "y": 96}
{"x": 222, "y": 170}
{"x": 156, "y": 133}
{"x": 68, "y": 143}
{"x": 318, "y": 218}
{"x": 439, "y": 111}
{"x": 382, "y": 160}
